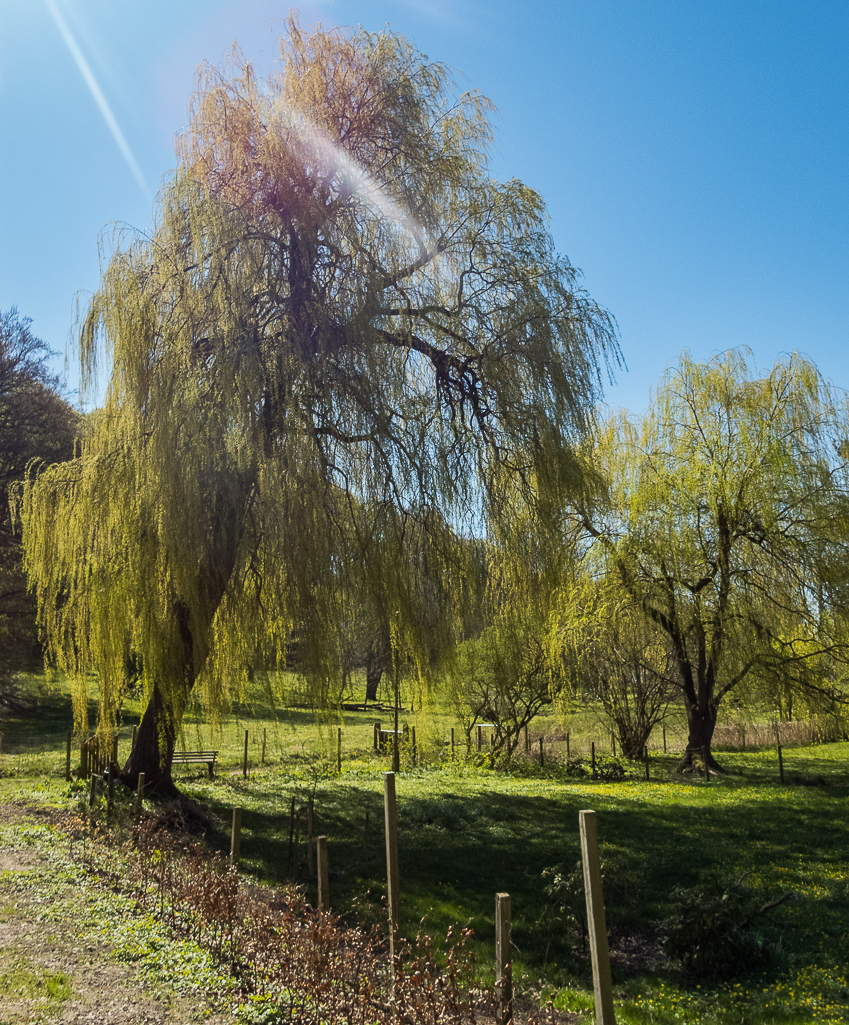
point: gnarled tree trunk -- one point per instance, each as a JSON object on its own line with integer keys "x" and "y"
{"x": 154, "y": 749}
{"x": 191, "y": 639}
{"x": 701, "y": 724}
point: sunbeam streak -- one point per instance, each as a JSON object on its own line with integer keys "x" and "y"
{"x": 330, "y": 155}
{"x": 99, "y": 98}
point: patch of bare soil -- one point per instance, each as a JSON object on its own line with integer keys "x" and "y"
{"x": 633, "y": 954}
{"x": 34, "y": 953}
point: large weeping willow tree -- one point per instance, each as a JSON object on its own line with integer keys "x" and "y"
{"x": 342, "y": 347}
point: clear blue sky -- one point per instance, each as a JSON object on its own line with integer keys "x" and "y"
{"x": 694, "y": 156}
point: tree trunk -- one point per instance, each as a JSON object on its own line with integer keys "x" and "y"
{"x": 157, "y": 732}
{"x": 700, "y": 734}
{"x": 633, "y": 739}
{"x": 374, "y": 674}
{"x": 154, "y": 749}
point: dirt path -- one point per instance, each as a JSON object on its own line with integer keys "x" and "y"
{"x": 56, "y": 971}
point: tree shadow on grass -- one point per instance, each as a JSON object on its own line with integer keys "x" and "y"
{"x": 459, "y": 845}
{"x": 45, "y": 726}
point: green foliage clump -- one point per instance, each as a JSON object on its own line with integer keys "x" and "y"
{"x": 711, "y": 928}
{"x": 566, "y": 901}
{"x": 609, "y": 769}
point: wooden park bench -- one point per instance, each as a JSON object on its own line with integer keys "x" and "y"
{"x": 196, "y": 757}
{"x": 383, "y": 738}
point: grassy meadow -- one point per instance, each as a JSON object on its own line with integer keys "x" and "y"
{"x": 469, "y": 828}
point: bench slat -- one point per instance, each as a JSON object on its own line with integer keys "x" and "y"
{"x": 207, "y": 758}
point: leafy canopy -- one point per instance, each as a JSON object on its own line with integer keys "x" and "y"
{"x": 727, "y": 522}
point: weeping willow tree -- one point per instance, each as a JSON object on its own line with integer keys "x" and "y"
{"x": 508, "y": 670}
{"x": 342, "y": 347}
{"x": 727, "y": 525}
{"x": 612, "y": 655}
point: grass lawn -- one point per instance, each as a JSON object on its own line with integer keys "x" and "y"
{"x": 468, "y": 831}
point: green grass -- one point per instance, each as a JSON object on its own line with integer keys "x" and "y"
{"x": 467, "y": 831}
{"x": 28, "y": 980}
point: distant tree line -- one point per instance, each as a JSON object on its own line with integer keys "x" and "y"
{"x": 37, "y": 426}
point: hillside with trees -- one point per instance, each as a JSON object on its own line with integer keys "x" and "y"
{"x": 37, "y": 427}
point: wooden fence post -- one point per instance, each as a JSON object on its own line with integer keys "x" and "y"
{"x": 602, "y": 982}
{"x": 480, "y": 736}
{"x": 292, "y": 839}
{"x": 391, "y": 826}
{"x": 339, "y": 750}
{"x": 110, "y": 799}
{"x": 377, "y": 736}
{"x": 503, "y": 960}
{"x": 323, "y": 875}
{"x": 68, "y": 756}
{"x": 664, "y": 738}
{"x": 93, "y": 791}
{"x": 139, "y": 795}
{"x": 780, "y": 765}
{"x": 298, "y": 814}
{"x": 541, "y": 754}
{"x": 245, "y": 760}
{"x": 236, "y": 837}
{"x": 527, "y": 742}
{"x": 452, "y": 743}
{"x": 310, "y": 810}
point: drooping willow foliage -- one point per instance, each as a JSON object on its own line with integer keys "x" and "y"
{"x": 342, "y": 349}
{"x": 726, "y": 524}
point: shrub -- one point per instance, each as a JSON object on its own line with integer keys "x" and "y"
{"x": 711, "y": 927}
{"x": 566, "y": 900}
{"x": 609, "y": 769}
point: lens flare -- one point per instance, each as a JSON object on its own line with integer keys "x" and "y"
{"x": 327, "y": 154}
{"x": 97, "y": 94}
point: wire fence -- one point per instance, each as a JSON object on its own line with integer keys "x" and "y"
{"x": 275, "y": 741}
